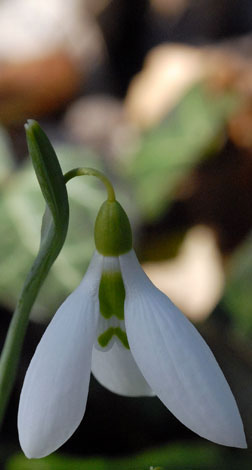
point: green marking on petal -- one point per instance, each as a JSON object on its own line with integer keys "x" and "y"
{"x": 112, "y": 295}
{"x": 105, "y": 337}
{"x": 121, "y": 335}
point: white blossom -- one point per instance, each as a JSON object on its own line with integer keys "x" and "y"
{"x": 166, "y": 357}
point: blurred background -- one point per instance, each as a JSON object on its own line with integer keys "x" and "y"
{"x": 158, "y": 94}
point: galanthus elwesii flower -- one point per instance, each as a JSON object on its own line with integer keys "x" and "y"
{"x": 135, "y": 341}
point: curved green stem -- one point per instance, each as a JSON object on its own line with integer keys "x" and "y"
{"x": 91, "y": 172}
{"x": 19, "y": 322}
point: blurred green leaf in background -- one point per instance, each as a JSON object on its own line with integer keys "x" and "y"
{"x": 193, "y": 130}
{"x": 6, "y": 162}
{"x": 172, "y": 457}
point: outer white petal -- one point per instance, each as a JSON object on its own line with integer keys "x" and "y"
{"x": 176, "y": 361}
{"x": 54, "y": 394}
{"x": 116, "y": 370}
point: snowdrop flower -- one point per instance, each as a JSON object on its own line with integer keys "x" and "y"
{"x": 135, "y": 341}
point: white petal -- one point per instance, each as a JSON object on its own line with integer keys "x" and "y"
{"x": 116, "y": 370}
{"x": 54, "y": 394}
{"x": 176, "y": 361}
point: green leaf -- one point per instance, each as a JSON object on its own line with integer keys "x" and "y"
{"x": 182, "y": 456}
{"x": 192, "y": 131}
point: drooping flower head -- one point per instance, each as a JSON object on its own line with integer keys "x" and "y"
{"x": 135, "y": 341}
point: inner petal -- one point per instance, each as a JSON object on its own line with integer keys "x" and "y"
{"x": 111, "y": 326}
{"x": 109, "y": 331}
{"x": 111, "y": 289}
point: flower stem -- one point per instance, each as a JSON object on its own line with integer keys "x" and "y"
{"x": 91, "y": 172}
{"x": 18, "y": 325}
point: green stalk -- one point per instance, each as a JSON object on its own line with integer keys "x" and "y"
{"x": 20, "y": 319}
{"x": 91, "y": 172}
{"x": 53, "y": 234}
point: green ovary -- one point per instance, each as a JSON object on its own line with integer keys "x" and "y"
{"x": 112, "y": 295}
{"x": 105, "y": 337}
